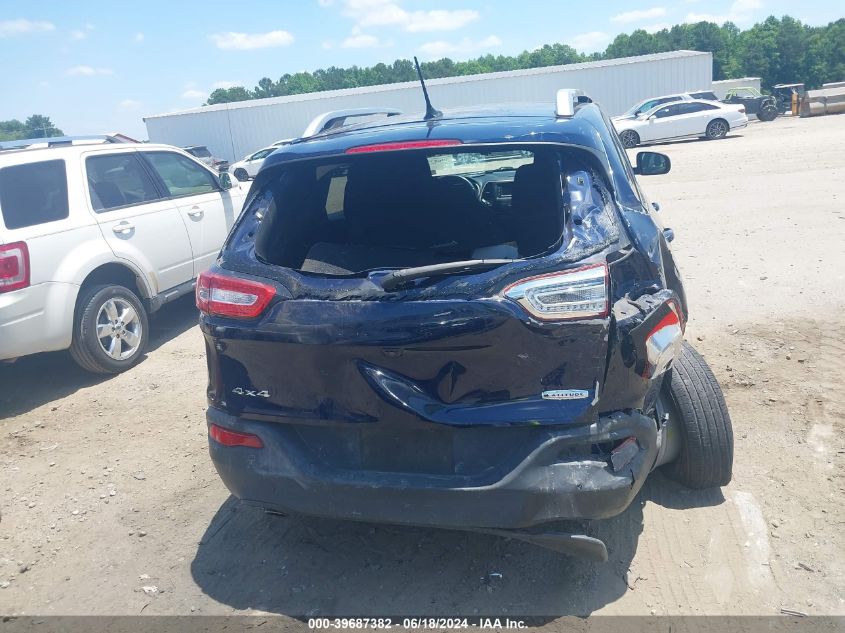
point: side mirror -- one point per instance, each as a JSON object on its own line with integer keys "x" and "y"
{"x": 652, "y": 117}
{"x": 225, "y": 180}
{"x": 652, "y": 164}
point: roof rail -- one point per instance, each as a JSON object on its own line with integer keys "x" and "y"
{"x": 568, "y": 99}
{"x": 337, "y": 118}
{"x": 57, "y": 141}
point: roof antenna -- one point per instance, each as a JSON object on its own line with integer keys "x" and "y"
{"x": 430, "y": 111}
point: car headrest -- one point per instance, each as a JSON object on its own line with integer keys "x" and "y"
{"x": 377, "y": 184}
{"x": 536, "y": 187}
{"x": 109, "y": 195}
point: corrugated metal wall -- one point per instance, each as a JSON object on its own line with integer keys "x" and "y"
{"x": 233, "y": 130}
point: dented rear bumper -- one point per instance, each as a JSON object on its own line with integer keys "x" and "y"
{"x": 563, "y": 473}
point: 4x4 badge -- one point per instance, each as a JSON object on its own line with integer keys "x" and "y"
{"x": 565, "y": 394}
{"x": 251, "y": 392}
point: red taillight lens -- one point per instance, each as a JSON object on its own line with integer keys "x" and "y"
{"x": 223, "y": 295}
{"x": 14, "y": 266}
{"x": 580, "y": 293}
{"x": 664, "y": 341}
{"x": 742, "y": 110}
{"x": 227, "y": 437}
{"x": 391, "y": 147}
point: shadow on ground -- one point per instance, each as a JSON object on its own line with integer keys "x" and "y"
{"x": 35, "y": 380}
{"x": 684, "y": 141}
{"x": 304, "y": 567}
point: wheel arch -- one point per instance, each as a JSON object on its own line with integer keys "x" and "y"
{"x": 719, "y": 118}
{"x": 622, "y": 133}
{"x": 119, "y": 274}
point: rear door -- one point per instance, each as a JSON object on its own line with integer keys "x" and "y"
{"x": 662, "y": 124}
{"x": 653, "y": 103}
{"x": 692, "y": 118}
{"x": 208, "y": 211}
{"x": 137, "y": 219}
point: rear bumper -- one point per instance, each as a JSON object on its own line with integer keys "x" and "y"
{"x": 548, "y": 483}
{"x": 35, "y": 319}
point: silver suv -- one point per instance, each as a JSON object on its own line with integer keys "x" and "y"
{"x": 94, "y": 236}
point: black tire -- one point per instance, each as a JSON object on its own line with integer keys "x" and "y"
{"x": 698, "y": 412}
{"x": 87, "y": 349}
{"x": 241, "y": 174}
{"x": 629, "y": 139}
{"x": 769, "y": 113}
{"x": 716, "y": 129}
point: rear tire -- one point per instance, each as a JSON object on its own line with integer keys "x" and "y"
{"x": 768, "y": 114}
{"x": 241, "y": 174}
{"x": 716, "y": 129}
{"x": 698, "y": 413}
{"x": 110, "y": 329}
{"x": 629, "y": 139}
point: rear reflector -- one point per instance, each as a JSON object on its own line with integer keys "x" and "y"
{"x": 392, "y": 147}
{"x": 663, "y": 342}
{"x": 580, "y": 293}
{"x": 14, "y": 266}
{"x": 227, "y": 437}
{"x": 222, "y": 295}
{"x": 624, "y": 453}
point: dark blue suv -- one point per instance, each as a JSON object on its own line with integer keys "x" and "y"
{"x": 467, "y": 321}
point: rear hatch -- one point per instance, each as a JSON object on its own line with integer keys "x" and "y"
{"x": 393, "y": 304}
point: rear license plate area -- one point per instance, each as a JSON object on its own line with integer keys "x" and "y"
{"x": 409, "y": 451}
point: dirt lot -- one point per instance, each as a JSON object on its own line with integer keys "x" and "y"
{"x": 108, "y": 489}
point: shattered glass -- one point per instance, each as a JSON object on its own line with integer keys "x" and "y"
{"x": 593, "y": 224}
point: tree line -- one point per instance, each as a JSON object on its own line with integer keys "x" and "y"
{"x": 36, "y": 126}
{"x": 778, "y": 50}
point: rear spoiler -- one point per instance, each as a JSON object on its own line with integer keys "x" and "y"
{"x": 337, "y": 118}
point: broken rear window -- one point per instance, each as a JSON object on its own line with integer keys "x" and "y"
{"x": 405, "y": 209}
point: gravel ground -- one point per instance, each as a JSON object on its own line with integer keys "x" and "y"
{"x": 110, "y": 504}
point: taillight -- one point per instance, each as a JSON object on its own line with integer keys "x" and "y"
{"x": 227, "y": 437}
{"x": 14, "y": 266}
{"x": 223, "y": 295}
{"x": 581, "y": 293}
{"x": 742, "y": 110}
{"x": 399, "y": 145}
{"x": 663, "y": 342}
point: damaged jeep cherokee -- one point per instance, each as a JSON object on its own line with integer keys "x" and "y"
{"x": 468, "y": 320}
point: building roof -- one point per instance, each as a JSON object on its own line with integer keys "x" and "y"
{"x": 730, "y": 81}
{"x": 252, "y": 103}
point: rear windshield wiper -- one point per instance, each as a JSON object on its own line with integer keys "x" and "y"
{"x": 396, "y": 278}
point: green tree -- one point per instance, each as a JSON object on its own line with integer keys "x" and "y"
{"x": 228, "y": 95}
{"x": 12, "y": 130}
{"x": 265, "y": 88}
{"x": 35, "y": 126}
{"x": 757, "y": 51}
{"x": 40, "y": 126}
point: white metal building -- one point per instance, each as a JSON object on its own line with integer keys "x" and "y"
{"x": 232, "y": 130}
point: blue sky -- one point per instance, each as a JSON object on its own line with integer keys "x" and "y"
{"x": 100, "y": 66}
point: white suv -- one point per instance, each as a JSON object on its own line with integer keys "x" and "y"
{"x": 95, "y": 236}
